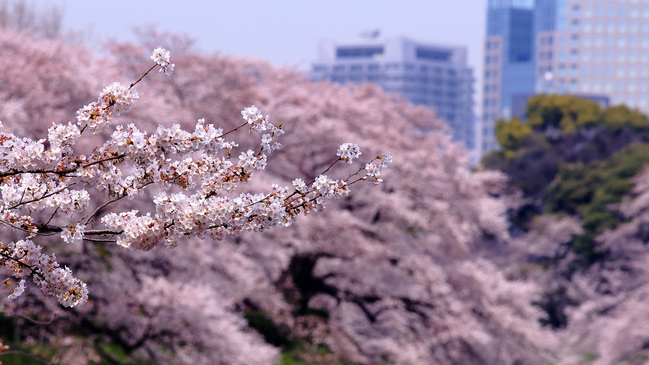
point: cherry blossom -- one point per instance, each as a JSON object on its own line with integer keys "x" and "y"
{"x": 38, "y": 176}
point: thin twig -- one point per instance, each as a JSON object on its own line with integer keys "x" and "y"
{"x": 141, "y": 77}
{"x": 40, "y": 359}
{"x": 33, "y": 320}
{"x": 235, "y": 129}
{"x": 40, "y": 198}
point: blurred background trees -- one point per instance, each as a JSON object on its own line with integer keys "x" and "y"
{"x": 385, "y": 276}
{"x": 538, "y": 257}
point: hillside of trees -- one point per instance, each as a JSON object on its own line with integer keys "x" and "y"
{"x": 579, "y": 228}
{"x": 387, "y": 275}
{"x": 537, "y": 257}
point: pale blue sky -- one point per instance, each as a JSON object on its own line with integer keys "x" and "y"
{"x": 284, "y": 32}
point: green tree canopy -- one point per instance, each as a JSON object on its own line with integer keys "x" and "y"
{"x": 566, "y": 112}
{"x": 511, "y": 134}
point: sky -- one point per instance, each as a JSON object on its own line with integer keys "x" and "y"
{"x": 284, "y": 32}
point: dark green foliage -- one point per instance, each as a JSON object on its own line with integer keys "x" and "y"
{"x": 589, "y": 190}
{"x": 572, "y": 158}
{"x": 273, "y": 334}
{"x": 554, "y": 305}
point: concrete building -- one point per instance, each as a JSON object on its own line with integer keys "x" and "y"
{"x": 595, "y": 48}
{"x": 426, "y": 74}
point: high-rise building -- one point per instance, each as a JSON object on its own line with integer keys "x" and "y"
{"x": 423, "y": 73}
{"x": 508, "y": 62}
{"x": 594, "y": 48}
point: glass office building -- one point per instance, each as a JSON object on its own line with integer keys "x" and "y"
{"x": 597, "y": 49}
{"x": 425, "y": 74}
{"x": 509, "y": 62}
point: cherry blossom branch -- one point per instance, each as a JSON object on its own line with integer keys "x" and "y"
{"x": 168, "y": 157}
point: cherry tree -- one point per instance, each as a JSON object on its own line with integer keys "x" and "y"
{"x": 49, "y": 174}
{"x": 394, "y": 274}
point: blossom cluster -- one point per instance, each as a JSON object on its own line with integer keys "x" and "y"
{"x": 161, "y": 57}
{"x": 373, "y": 170}
{"x": 51, "y": 175}
{"x": 25, "y": 258}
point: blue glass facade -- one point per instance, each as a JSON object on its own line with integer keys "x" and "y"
{"x": 515, "y": 26}
{"x": 545, "y": 15}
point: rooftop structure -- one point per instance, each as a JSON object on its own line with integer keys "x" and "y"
{"x": 425, "y": 74}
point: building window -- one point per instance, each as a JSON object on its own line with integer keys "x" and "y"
{"x": 575, "y": 26}
{"x": 610, "y": 27}
{"x": 373, "y": 67}
{"x": 433, "y": 54}
{"x": 356, "y": 68}
{"x": 339, "y": 68}
{"x": 575, "y": 41}
{"x": 359, "y": 52}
